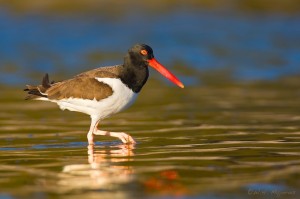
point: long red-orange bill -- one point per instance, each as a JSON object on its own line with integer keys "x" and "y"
{"x": 165, "y": 72}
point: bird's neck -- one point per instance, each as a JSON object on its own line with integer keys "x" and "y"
{"x": 135, "y": 74}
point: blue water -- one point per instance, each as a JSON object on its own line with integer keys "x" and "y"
{"x": 249, "y": 46}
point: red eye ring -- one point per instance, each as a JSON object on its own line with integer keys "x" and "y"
{"x": 144, "y": 52}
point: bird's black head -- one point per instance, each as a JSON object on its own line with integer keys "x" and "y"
{"x": 139, "y": 57}
{"x": 140, "y": 54}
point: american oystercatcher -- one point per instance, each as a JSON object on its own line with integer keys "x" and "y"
{"x": 103, "y": 91}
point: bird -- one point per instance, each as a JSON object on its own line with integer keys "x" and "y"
{"x": 103, "y": 91}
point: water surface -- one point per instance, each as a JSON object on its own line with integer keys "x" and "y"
{"x": 191, "y": 144}
{"x": 233, "y": 132}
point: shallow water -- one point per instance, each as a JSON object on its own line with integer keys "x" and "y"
{"x": 233, "y": 132}
{"x": 238, "y": 140}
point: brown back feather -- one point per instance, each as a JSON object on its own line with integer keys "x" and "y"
{"x": 82, "y": 86}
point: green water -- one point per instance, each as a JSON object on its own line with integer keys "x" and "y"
{"x": 210, "y": 141}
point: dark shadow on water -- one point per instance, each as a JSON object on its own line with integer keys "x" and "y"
{"x": 10, "y": 149}
{"x": 62, "y": 145}
{"x": 73, "y": 145}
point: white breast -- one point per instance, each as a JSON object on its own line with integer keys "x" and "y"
{"x": 121, "y": 98}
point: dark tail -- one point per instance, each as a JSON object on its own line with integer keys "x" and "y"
{"x": 40, "y": 90}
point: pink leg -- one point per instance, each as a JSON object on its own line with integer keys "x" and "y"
{"x": 93, "y": 127}
{"x": 90, "y": 137}
{"x": 125, "y": 138}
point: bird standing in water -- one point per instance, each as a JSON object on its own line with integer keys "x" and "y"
{"x": 103, "y": 91}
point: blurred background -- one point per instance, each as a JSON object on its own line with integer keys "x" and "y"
{"x": 202, "y": 41}
{"x": 233, "y": 130}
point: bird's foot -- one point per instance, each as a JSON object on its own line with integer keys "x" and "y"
{"x": 125, "y": 138}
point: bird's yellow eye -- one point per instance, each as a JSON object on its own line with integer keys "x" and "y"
{"x": 144, "y": 52}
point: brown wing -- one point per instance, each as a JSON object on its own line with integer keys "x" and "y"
{"x": 82, "y": 86}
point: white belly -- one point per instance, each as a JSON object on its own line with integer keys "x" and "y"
{"x": 121, "y": 98}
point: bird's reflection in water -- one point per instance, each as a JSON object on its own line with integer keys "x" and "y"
{"x": 104, "y": 170}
